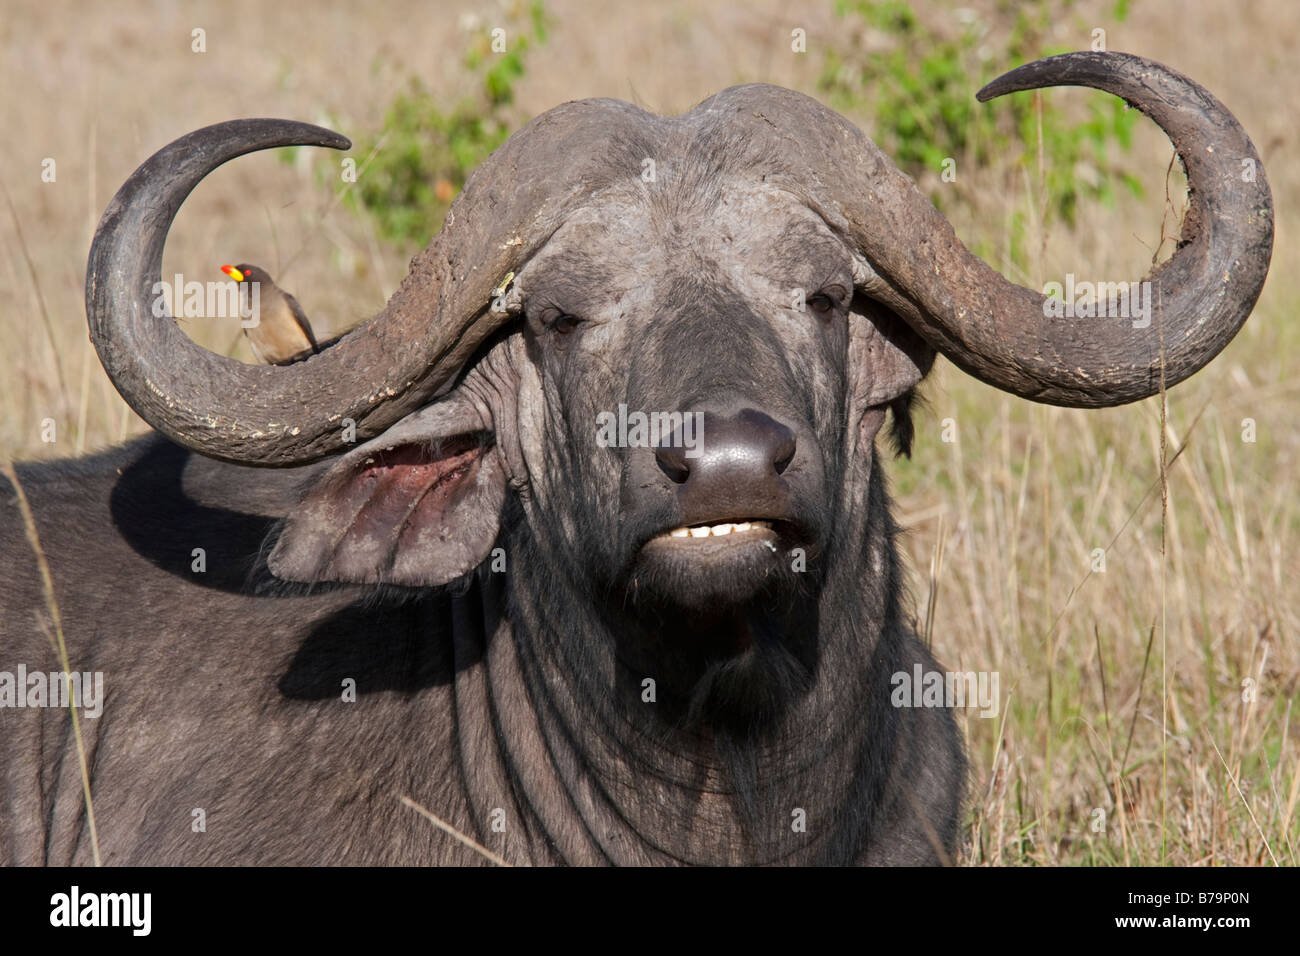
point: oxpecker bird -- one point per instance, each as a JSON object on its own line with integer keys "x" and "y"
{"x": 276, "y": 326}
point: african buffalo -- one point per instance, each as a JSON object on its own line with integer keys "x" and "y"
{"x": 569, "y": 648}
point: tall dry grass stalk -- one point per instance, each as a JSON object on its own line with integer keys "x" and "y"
{"x": 451, "y": 831}
{"x": 60, "y": 646}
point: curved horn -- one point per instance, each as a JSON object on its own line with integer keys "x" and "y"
{"x": 378, "y": 372}
{"x": 1000, "y": 332}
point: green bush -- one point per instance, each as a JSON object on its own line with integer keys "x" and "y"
{"x": 420, "y": 158}
{"x": 917, "y": 98}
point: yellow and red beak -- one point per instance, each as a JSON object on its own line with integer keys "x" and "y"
{"x": 233, "y": 273}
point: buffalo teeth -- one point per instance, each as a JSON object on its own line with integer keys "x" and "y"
{"x": 718, "y": 530}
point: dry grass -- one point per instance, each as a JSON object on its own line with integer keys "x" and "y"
{"x": 1123, "y": 690}
{"x": 455, "y": 834}
{"x": 57, "y": 642}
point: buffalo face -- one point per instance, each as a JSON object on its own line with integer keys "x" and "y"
{"x": 690, "y": 373}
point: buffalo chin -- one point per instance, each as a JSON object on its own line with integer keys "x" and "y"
{"x": 733, "y": 666}
{"x": 749, "y": 691}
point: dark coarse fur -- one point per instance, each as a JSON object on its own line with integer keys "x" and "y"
{"x": 893, "y": 765}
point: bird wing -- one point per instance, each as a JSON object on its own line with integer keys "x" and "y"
{"x": 301, "y": 318}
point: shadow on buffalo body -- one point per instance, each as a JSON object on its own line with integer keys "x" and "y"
{"x": 168, "y": 502}
{"x": 164, "y": 522}
{"x": 405, "y": 647}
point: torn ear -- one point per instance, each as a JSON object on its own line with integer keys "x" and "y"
{"x": 418, "y": 506}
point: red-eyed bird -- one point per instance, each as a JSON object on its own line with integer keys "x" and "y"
{"x": 277, "y": 327}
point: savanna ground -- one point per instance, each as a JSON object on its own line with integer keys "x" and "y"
{"x": 1146, "y": 712}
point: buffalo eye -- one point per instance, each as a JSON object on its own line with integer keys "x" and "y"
{"x": 566, "y": 323}
{"x": 821, "y": 303}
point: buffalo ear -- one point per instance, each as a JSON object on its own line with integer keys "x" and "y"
{"x": 419, "y": 506}
{"x": 888, "y": 360}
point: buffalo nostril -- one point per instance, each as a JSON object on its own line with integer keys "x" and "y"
{"x": 672, "y": 462}
{"x": 784, "y": 455}
{"x": 765, "y": 433}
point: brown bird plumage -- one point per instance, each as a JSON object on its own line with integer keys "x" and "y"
{"x": 282, "y": 333}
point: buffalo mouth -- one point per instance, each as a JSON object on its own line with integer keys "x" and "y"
{"x": 718, "y": 536}
{"x": 724, "y": 529}
{"x": 718, "y": 563}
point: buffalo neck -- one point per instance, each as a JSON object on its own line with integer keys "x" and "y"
{"x": 586, "y": 760}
